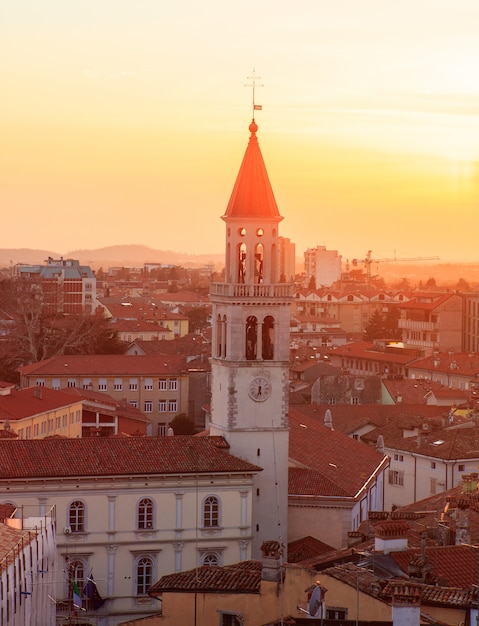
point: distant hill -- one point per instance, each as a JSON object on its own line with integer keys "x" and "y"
{"x": 445, "y": 274}
{"x": 128, "y": 256}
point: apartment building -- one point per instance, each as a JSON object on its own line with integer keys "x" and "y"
{"x": 65, "y": 285}
{"x": 432, "y": 321}
{"x": 157, "y": 385}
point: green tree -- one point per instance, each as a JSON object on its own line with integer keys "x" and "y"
{"x": 183, "y": 424}
{"x": 463, "y": 285}
{"x": 375, "y": 327}
{"x": 198, "y": 318}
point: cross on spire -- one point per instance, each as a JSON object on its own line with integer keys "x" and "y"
{"x": 253, "y": 84}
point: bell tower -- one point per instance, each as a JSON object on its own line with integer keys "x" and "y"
{"x": 250, "y": 348}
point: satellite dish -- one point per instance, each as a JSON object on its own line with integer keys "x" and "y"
{"x": 316, "y": 602}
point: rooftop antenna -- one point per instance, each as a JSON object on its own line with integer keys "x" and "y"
{"x": 253, "y": 84}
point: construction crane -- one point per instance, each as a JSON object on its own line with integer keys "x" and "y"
{"x": 368, "y": 261}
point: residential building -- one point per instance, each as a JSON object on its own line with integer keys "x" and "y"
{"x": 287, "y": 260}
{"x": 64, "y": 285}
{"x": 426, "y": 458}
{"x": 250, "y": 346}
{"x": 453, "y": 370}
{"x": 102, "y": 416}
{"x": 156, "y": 385}
{"x": 471, "y": 323}
{"x": 329, "y": 496}
{"x": 366, "y": 358}
{"x": 131, "y": 330}
{"x": 130, "y": 509}
{"x": 172, "y": 324}
{"x": 352, "y": 308}
{"x": 432, "y": 321}
{"x": 323, "y": 265}
{"x": 27, "y": 565}
{"x": 249, "y": 593}
{"x": 36, "y": 412}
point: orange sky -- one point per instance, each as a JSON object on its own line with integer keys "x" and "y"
{"x": 125, "y": 122}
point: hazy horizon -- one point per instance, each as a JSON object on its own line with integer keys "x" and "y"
{"x": 127, "y": 122}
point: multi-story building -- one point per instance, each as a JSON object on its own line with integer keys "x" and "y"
{"x": 471, "y": 323}
{"x": 65, "y": 286}
{"x": 37, "y": 412}
{"x": 156, "y": 385}
{"x": 432, "y": 321}
{"x": 351, "y": 309}
{"x": 323, "y": 265}
{"x": 287, "y": 260}
{"x": 128, "y": 510}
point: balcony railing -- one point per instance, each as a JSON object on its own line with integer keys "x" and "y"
{"x": 241, "y": 290}
{"x": 415, "y": 325}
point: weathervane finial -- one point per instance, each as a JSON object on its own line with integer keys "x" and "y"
{"x": 253, "y": 78}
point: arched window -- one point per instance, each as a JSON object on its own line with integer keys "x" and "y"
{"x": 219, "y": 336}
{"x": 242, "y": 263}
{"x": 267, "y": 338}
{"x": 258, "y": 263}
{"x": 145, "y": 514}
{"x": 211, "y": 512}
{"x": 251, "y": 337}
{"x": 224, "y": 336}
{"x": 210, "y": 558}
{"x": 144, "y": 575}
{"x": 76, "y": 516}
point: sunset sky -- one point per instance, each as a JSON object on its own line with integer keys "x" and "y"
{"x": 125, "y": 122}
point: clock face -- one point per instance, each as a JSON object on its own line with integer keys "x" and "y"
{"x": 260, "y": 389}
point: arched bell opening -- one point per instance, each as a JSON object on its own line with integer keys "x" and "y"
{"x": 251, "y": 337}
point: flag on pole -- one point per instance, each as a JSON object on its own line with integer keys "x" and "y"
{"x": 90, "y": 590}
{"x": 257, "y": 107}
{"x": 76, "y": 595}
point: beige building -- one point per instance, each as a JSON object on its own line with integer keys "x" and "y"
{"x": 36, "y": 412}
{"x": 250, "y": 593}
{"x": 432, "y": 321}
{"x": 156, "y": 385}
{"x": 132, "y": 509}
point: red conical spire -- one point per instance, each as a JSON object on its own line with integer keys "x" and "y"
{"x": 252, "y": 195}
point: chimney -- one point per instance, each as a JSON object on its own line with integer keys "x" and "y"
{"x": 391, "y": 536}
{"x": 271, "y": 560}
{"x": 328, "y": 419}
{"x": 380, "y": 444}
{"x": 406, "y": 604}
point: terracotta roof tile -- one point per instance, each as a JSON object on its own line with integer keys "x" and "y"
{"x": 109, "y": 456}
{"x": 329, "y": 453}
{"x": 30, "y": 401}
{"x": 106, "y": 364}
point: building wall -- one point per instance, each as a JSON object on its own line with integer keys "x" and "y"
{"x": 111, "y": 543}
{"x": 142, "y": 392}
{"x": 27, "y": 575}
{"x": 252, "y": 609}
{"x": 415, "y": 478}
{"x": 64, "y": 421}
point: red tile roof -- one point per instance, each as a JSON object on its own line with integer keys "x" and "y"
{"x": 329, "y": 452}
{"x": 243, "y": 577}
{"x": 107, "y": 456}
{"x": 30, "y": 401}
{"x": 306, "y": 548}
{"x": 106, "y": 364}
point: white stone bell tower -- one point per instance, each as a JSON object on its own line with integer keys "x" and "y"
{"x": 250, "y": 351}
